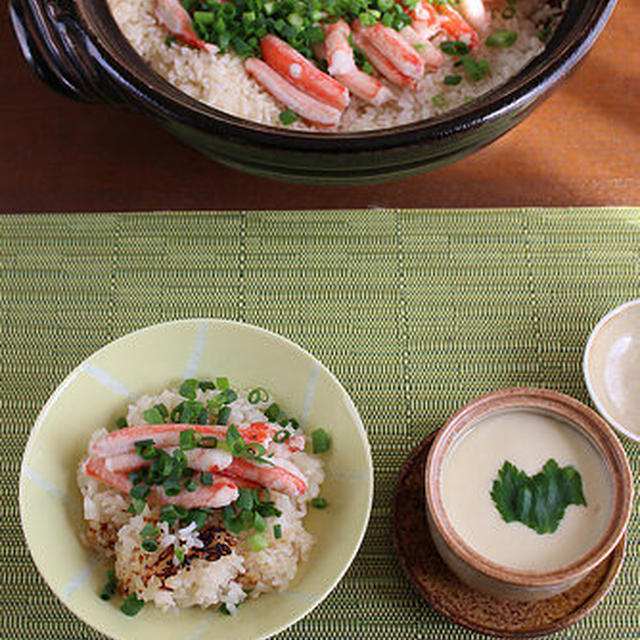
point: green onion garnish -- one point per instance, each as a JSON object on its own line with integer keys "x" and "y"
{"x": 272, "y": 412}
{"x": 110, "y": 587}
{"x": 149, "y": 545}
{"x": 439, "y": 101}
{"x": 187, "y": 440}
{"x": 288, "y": 117}
{"x": 149, "y": 531}
{"x": 188, "y": 389}
{"x": 277, "y": 531}
{"x": 137, "y": 505}
{"x": 223, "y": 415}
{"x": 206, "y": 385}
{"x": 139, "y": 491}
{"x": 206, "y": 479}
{"x": 258, "y": 522}
{"x": 319, "y": 503}
{"x": 190, "y": 485}
{"x": 501, "y": 38}
{"x": 257, "y": 542}
{"x": 281, "y": 436}
{"x": 508, "y": 13}
{"x": 452, "y": 80}
{"x": 208, "y": 442}
{"x": 320, "y": 441}
{"x": 171, "y": 487}
{"x": 454, "y": 48}
{"x": 223, "y": 610}
{"x": 143, "y": 444}
{"x": 132, "y": 605}
{"x": 155, "y": 415}
{"x": 121, "y": 423}
{"x": 258, "y": 395}
{"x": 222, "y": 383}
{"x": 178, "y": 552}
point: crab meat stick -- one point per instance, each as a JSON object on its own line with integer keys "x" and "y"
{"x": 302, "y": 74}
{"x": 305, "y": 106}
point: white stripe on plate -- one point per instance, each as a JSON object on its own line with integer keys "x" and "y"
{"x": 196, "y": 354}
{"x": 311, "y": 389}
{"x": 348, "y": 475}
{"x": 107, "y": 380}
{"x": 43, "y": 483}
{"x": 78, "y": 580}
{"x": 201, "y": 628}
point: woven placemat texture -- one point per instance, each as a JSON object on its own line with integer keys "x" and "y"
{"x": 416, "y": 312}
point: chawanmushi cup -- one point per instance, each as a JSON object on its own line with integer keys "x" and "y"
{"x": 486, "y": 575}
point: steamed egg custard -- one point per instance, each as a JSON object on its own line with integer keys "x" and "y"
{"x": 512, "y": 451}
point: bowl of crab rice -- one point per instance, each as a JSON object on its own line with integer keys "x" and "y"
{"x": 196, "y": 478}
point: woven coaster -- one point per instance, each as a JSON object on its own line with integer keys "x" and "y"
{"x": 445, "y": 592}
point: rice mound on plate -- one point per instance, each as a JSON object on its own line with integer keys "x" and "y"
{"x": 219, "y": 567}
{"x": 222, "y": 82}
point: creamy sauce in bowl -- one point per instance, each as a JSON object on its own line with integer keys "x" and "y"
{"x": 528, "y": 439}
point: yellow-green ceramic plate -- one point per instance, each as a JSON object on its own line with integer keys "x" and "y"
{"x": 97, "y": 392}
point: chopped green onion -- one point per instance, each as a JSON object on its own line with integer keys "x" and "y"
{"x": 222, "y": 383}
{"x": 149, "y": 545}
{"x": 259, "y": 394}
{"x": 206, "y": 479}
{"x": 319, "y": 503}
{"x": 132, "y": 605}
{"x": 272, "y": 412}
{"x": 439, "y": 101}
{"x": 121, "y": 423}
{"x": 142, "y": 444}
{"x": 208, "y": 442}
{"x": 289, "y": 422}
{"x": 452, "y": 80}
{"x": 171, "y": 487}
{"x": 149, "y": 531}
{"x": 281, "y": 436}
{"x": 188, "y": 387}
{"x": 320, "y": 441}
{"x": 257, "y": 542}
{"x": 454, "y": 48}
{"x": 206, "y": 385}
{"x": 153, "y": 415}
{"x": 288, "y": 117}
{"x": 187, "y": 440}
{"x": 223, "y": 415}
{"x": 277, "y": 531}
{"x": 223, "y": 610}
{"x": 508, "y": 13}
{"x": 148, "y": 453}
{"x": 191, "y": 485}
{"x": 110, "y": 587}
{"x": 139, "y": 491}
{"x": 203, "y": 17}
{"x": 501, "y": 38}
{"x": 178, "y": 552}
{"x": 137, "y": 506}
{"x": 258, "y": 522}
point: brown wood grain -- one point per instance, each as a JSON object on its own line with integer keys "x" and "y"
{"x": 581, "y": 147}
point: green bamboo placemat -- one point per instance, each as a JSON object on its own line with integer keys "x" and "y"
{"x": 416, "y": 312}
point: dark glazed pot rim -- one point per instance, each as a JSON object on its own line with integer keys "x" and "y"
{"x": 152, "y": 94}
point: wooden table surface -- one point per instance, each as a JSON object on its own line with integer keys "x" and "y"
{"x": 579, "y": 148}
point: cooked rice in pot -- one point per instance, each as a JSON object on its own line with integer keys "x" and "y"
{"x": 222, "y": 82}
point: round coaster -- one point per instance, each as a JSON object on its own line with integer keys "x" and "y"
{"x": 451, "y": 597}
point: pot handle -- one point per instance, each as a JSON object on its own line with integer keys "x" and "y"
{"x": 55, "y": 46}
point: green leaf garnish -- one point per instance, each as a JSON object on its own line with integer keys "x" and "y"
{"x": 539, "y": 501}
{"x": 501, "y": 38}
{"x": 319, "y": 503}
{"x": 288, "y": 116}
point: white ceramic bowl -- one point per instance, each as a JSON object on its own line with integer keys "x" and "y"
{"x": 612, "y": 368}
{"x": 96, "y": 393}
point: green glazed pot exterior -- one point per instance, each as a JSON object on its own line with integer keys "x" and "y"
{"x": 76, "y": 47}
